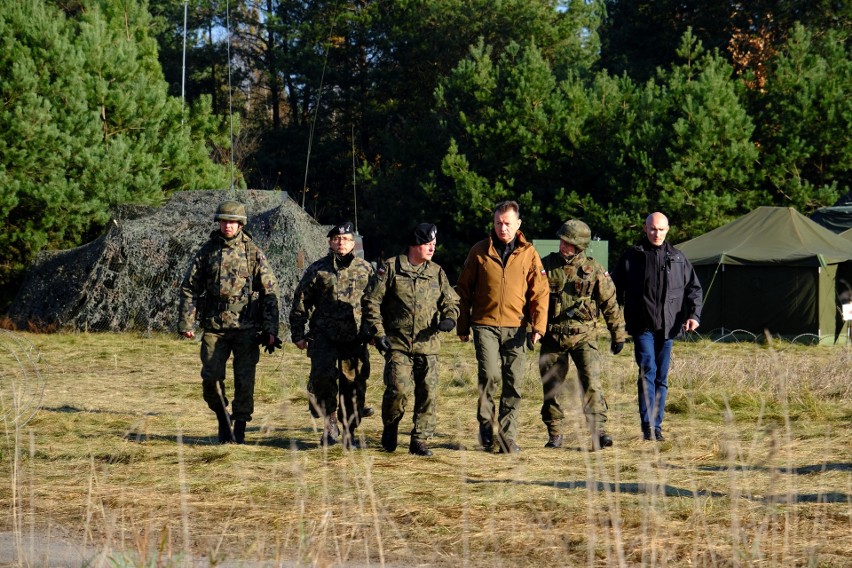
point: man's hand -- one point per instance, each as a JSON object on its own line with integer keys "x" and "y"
{"x": 464, "y": 338}
{"x": 532, "y": 339}
{"x": 188, "y": 334}
{"x": 616, "y": 347}
{"x": 302, "y": 344}
{"x": 269, "y": 341}
{"x": 382, "y": 344}
{"x": 446, "y": 324}
{"x": 690, "y": 325}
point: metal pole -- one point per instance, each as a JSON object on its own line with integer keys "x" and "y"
{"x": 183, "y": 68}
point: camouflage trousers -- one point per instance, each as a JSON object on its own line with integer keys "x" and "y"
{"x": 338, "y": 379}
{"x": 402, "y": 371}
{"x": 216, "y": 349}
{"x": 586, "y": 390}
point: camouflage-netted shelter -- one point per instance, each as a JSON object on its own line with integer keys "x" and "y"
{"x": 772, "y": 269}
{"x": 128, "y": 278}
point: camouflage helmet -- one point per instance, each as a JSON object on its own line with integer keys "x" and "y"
{"x": 231, "y": 211}
{"x": 575, "y": 232}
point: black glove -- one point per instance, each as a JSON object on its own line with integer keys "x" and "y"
{"x": 269, "y": 342}
{"x": 383, "y": 345}
{"x": 446, "y": 324}
{"x": 530, "y": 344}
{"x": 616, "y": 347}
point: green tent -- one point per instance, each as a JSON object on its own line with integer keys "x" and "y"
{"x": 771, "y": 270}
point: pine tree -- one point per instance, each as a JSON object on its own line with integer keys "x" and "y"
{"x": 88, "y": 125}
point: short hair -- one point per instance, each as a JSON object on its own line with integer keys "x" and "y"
{"x": 505, "y": 206}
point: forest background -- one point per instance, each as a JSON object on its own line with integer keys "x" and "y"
{"x": 392, "y": 112}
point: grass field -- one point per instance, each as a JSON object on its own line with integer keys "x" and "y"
{"x": 120, "y": 468}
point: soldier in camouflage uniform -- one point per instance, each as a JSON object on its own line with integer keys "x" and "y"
{"x": 328, "y": 298}
{"x": 408, "y": 305}
{"x": 580, "y": 290}
{"x": 231, "y": 289}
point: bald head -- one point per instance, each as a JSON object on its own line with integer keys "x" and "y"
{"x": 656, "y": 228}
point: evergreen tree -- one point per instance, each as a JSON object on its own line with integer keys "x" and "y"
{"x": 804, "y": 119}
{"x": 690, "y": 153}
{"x": 88, "y": 125}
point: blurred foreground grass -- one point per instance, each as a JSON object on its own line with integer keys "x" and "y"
{"x": 120, "y": 460}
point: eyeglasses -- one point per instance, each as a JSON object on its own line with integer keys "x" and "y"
{"x": 342, "y": 239}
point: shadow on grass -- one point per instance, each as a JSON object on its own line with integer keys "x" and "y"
{"x": 670, "y": 491}
{"x": 72, "y": 409}
{"x": 802, "y": 470}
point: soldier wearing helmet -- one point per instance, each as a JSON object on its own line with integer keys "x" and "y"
{"x": 231, "y": 290}
{"x": 580, "y": 291}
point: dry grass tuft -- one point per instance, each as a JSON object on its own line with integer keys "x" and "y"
{"x": 120, "y": 461}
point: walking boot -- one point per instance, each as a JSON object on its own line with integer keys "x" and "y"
{"x": 658, "y": 435}
{"x": 350, "y": 440}
{"x": 367, "y": 411}
{"x": 604, "y": 440}
{"x": 225, "y": 436}
{"x": 240, "y": 431}
{"x": 554, "y": 441}
{"x": 486, "y": 436}
{"x": 331, "y": 431}
{"x": 508, "y": 446}
{"x": 419, "y": 448}
{"x": 390, "y": 435}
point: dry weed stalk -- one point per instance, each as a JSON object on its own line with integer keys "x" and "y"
{"x": 755, "y": 469}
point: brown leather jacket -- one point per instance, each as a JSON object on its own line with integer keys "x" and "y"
{"x": 510, "y": 296}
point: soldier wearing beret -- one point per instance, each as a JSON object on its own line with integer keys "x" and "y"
{"x": 325, "y": 319}
{"x": 231, "y": 289}
{"x": 405, "y": 309}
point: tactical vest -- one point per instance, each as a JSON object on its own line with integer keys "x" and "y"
{"x": 243, "y": 307}
{"x": 572, "y": 310}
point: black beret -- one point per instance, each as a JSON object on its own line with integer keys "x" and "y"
{"x": 343, "y": 228}
{"x": 422, "y": 234}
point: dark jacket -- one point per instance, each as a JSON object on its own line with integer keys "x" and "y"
{"x": 682, "y": 297}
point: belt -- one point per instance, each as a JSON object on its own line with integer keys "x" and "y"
{"x": 569, "y": 329}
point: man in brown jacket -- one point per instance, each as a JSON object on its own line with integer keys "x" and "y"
{"x": 503, "y": 290}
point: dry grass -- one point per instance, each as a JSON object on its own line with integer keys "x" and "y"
{"x": 120, "y": 461}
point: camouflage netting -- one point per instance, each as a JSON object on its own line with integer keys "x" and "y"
{"x": 128, "y": 279}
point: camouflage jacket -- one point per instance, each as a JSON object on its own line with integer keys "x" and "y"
{"x": 328, "y": 299}
{"x": 406, "y": 303}
{"x": 580, "y": 291}
{"x": 229, "y": 285}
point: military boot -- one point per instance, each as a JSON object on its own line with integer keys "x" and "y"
{"x": 240, "y": 431}
{"x": 508, "y": 446}
{"x": 486, "y": 435}
{"x": 419, "y": 448}
{"x": 350, "y": 440}
{"x": 390, "y": 435}
{"x": 602, "y": 440}
{"x": 331, "y": 431}
{"x": 554, "y": 441}
{"x": 225, "y": 436}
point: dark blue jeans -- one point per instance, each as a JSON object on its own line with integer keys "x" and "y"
{"x": 653, "y": 354}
